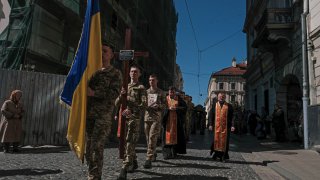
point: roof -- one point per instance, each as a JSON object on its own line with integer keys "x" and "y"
{"x": 239, "y": 70}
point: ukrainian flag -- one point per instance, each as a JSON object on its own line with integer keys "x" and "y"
{"x": 86, "y": 62}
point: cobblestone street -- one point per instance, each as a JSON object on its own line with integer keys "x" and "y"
{"x": 60, "y": 163}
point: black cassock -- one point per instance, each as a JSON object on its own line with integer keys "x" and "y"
{"x": 171, "y": 151}
{"x": 211, "y": 122}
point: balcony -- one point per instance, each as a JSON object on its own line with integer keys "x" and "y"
{"x": 278, "y": 22}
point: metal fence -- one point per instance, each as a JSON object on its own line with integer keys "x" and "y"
{"x": 314, "y": 125}
{"x": 45, "y": 119}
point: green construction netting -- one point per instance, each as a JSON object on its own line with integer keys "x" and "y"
{"x": 20, "y": 35}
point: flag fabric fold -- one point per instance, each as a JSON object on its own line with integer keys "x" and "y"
{"x": 87, "y": 61}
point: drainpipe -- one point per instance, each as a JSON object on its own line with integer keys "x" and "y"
{"x": 312, "y": 86}
{"x": 305, "y": 81}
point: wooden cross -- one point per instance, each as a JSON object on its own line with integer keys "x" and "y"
{"x": 122, "y": 119}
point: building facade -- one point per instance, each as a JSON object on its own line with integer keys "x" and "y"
{"x": 153, "y": 25}
{"x": 274, "y": 74}
{"x": 313, "y": 54}
{"x": 43, "y": 35}
{"x": 178, "y": 78}
{"x": 230, "y": 81}
{"x": 314, "y": 36}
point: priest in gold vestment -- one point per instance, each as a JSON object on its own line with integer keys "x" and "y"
{"x": 173, "y": 137}
{"x": 221, "y": 123}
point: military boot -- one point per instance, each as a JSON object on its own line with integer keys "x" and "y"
{"x": 133, "y": 166}
{"x": 6, "y": 147}
{"x": 16, "y": 148}
{"x": 154, "y": 157}
{"x": 122, "y": 175}
{"x": 147, "y": 164}
{"x": 222, "y": 159}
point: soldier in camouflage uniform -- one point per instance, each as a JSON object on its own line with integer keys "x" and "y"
{"x": 103, "y": 88}
{"x": 152, "y": 118}
{"x": 136, "y": 105}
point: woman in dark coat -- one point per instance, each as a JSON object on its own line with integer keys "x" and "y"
{"x": 279, "y": 123}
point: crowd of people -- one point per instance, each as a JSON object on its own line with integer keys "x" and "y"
{"x": 167, "y": 116}
{"x": 170, "y": 116}
{"x": 263, "y": 125}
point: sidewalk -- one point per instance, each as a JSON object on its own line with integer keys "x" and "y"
{"x": 289, "y": 160}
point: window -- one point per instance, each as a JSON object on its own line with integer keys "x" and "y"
{"x": 233, "y": 98}
{"x": 233, "y": 86}
{"x": 280, "y": 3}
{"x": 220, "y": 86}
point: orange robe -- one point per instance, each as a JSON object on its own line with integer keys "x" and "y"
{"x": 221, "y": 127}
{"x": 171, "y": 127}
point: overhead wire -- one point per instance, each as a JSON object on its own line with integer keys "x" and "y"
{"x": 221, "y": 41}
{"x": 200, "y": 51}
{"x": 192, "y": 27}
{"x": 197, "y": 44}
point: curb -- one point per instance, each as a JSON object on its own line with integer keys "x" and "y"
{"x": 316, "y": 148}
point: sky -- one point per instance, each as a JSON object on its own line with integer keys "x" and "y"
{"x": 218, "y": 29}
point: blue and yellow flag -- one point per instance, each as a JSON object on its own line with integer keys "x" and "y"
{"x": 86, "y": 62}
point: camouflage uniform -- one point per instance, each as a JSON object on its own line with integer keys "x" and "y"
{"x": 136, "y": 101}
{"x": 106, "y": 84}
{"x": 152, "y": 122}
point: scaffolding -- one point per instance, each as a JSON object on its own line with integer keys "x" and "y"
{"x": 41, "y": 34}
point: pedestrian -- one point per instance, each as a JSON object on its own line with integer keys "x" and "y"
{"x": 173, "y": 138}
{"x": 253, "y": 121}
{"x": 152, "y": 119}
{"x": 260, "y": 129}
{"x": 222, "y": 117}
{"x": 278, "y": 123}
{"x": 237, "y": 115}
{"x": 11, "y": 122}
{"x": 182, "y": 96}
{"x": 202, "y": 120}
{"x": 136, "y": 106}
{"x": 103, "y": 88}
{"x": 266, "y": 120}
{"x": 190, "y": 106}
